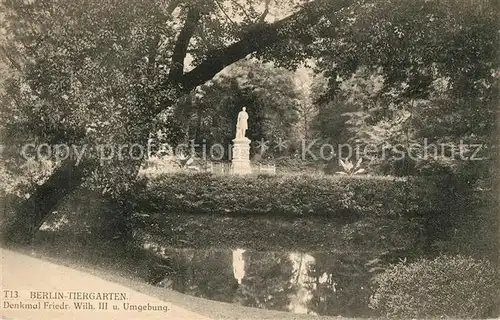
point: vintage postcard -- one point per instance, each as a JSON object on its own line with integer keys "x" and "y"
{"x": 249, "y": 159}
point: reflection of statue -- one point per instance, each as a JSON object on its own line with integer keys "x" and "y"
{"x": 242, "y": 124}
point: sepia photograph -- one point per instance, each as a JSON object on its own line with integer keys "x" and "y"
{"x": 249, "y": 159}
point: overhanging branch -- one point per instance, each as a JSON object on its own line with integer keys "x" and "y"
{"x": 180, "y": 49}
{"x": 258, "y": 38}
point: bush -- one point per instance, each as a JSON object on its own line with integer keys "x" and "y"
{"x": 449, "y": 286}
{"x": 345, "y": 198}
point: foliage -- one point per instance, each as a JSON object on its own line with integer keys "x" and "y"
{"x": 338, "y": 197}
{"x": 448, "y": 286}
{"x": 27, "y": 177}
{"x": 89, "y": 73}
{"x": 395, "y": 43}
{"x": 402, "y": 71}
{"x": 350, "y": 168}
{"x": 81, "y": 75}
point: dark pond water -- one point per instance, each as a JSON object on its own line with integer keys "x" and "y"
{"x": 322, "y": 283}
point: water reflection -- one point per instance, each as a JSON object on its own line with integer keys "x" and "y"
{"x": 321, "y": 283}
{"x": 238, "y": 265}
{"x": 301, "y": 265}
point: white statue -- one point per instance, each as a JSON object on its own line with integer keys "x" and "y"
{"x": 242, "y": 124}
{"x": 240, "y": 159}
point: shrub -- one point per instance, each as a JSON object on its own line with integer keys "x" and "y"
{"x": 449, "y": 286}
{"x": 345, "y": 198}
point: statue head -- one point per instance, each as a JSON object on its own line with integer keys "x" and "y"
{"x": 244, "y": 108}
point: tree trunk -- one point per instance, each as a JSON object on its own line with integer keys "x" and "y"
{"x": 32, "y": 213}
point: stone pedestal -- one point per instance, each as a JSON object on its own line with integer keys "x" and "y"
{"x": 240, "y": 162}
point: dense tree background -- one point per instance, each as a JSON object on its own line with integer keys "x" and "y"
{"x": 421, "y": 70}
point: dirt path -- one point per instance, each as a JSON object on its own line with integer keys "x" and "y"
{"x": 40, "y": 284}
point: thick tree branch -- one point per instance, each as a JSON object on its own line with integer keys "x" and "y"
{"x": 34, "y": 212}
{"x": 258, "y": 38}
{"x": 180, "y": 49}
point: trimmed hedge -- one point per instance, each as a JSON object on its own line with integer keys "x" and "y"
{"x": 448, "y": 286}
{"x": 291, "y": 196}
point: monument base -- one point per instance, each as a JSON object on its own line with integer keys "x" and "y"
{"x": 240, "y": 162}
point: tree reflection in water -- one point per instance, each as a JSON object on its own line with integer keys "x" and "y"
{"x": 322, "y": 283}
{"x": 340, "y": 285}
{"x": 267, "y": 281}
